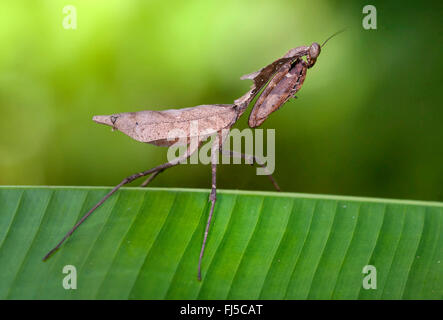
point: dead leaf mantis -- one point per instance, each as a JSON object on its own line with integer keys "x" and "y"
{"x": 284, "y": 76}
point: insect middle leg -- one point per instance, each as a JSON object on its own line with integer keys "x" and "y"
{"x": 252, "y": 160}
{"x": 212, "y": 199}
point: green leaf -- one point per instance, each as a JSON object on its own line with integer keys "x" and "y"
{"x": 145, "y": 243}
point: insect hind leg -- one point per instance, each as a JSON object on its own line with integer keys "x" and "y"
{"x": 125, "y": 181}
{"x": 188, "y": 153}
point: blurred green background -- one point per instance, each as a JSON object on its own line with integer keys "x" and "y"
{"x": 368, "y": 120}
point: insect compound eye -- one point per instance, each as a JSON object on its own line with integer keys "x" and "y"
{"x": 314, "y": 50}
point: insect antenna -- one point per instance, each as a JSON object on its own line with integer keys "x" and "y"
{"x": 338, "y": 32}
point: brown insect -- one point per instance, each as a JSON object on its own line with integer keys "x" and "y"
{"x": 285, "y": 76}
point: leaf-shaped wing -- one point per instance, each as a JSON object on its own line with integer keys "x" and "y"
{"x": 163, "y": 128}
